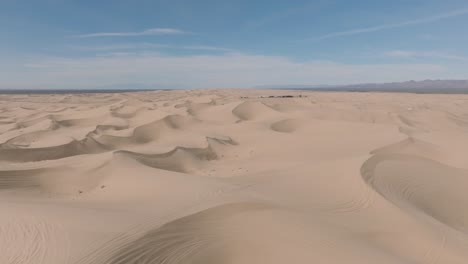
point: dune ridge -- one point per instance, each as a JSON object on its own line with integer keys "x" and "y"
{"x": 180, "y": 159}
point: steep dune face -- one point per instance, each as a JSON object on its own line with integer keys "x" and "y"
{"x": 409, "y": 175}
{"x": 86, "y": 146}
{"x": 192, "y": 239}
{"x": 421, "y": 185}
{"x": 233, "y": 176}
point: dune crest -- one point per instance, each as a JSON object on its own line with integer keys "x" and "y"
{"x": 180, "y": 159}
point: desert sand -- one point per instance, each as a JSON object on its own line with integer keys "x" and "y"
{"x": 233, "y": 176}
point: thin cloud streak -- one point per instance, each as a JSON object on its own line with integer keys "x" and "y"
{"x": 424, "y": 54}
{"x": 124, "y": 46}
{"x": 395, "y": 25}
{"x": 148, "y": 47}
{"x": 208, "y": 48}
{"x": 148, "y": 32}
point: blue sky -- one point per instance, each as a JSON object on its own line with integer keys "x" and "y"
{"x": 191, "y": 44}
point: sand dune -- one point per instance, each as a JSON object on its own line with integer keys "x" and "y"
{"x": 286, "y": 125}
{"x": 148, "y": 132}
{"x": 253, "y": 110}
{"x": 233, "y": 176}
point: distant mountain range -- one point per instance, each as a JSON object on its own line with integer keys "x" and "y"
{"x": 426, "y": 86}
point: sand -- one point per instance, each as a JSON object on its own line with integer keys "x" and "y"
{"x": 233, "y": 176}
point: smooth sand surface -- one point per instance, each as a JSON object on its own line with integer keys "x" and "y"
{"x": 233, "y": 176}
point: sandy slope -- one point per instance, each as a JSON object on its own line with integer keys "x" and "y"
{"x": 233, "y": 176}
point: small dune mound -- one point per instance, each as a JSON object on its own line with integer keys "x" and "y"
{"x": 409, "y": 126}
{"x": 23, "y": 135}
{"x": 86, "y": 121}
{"x": 221, "y": 141}
{"x": 213, "y": 112}
{"x": 253, "y": 110}
{"x": 177, "y": 121}
{"x": 286, "y": 125}
{"x": 421, "y": 185}
{"x": 127, "y": 112}
{"x": 152, "y": 131}
{"x": 195, "y": 108}
{"x": 102, "y": 128}
{"x": 112, "y": 124}
{"x": 56, "y": 110}
{"x": 25, "y": 140}
{"x": 180, "y": 159}
{"x": 286, "y": 107}
{"x": 34, "y": 121}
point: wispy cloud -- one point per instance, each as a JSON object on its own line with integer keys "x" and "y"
{"x": 148, "y": 32}
{"x": 123, "y": 46}
{"x": 207, "y": 48}
{"x": 145, "y": 46}
{"x": 363, "y": 30}
{"x": 424, "y": 54}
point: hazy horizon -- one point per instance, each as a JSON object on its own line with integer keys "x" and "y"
{"x": 425, "y": 86}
